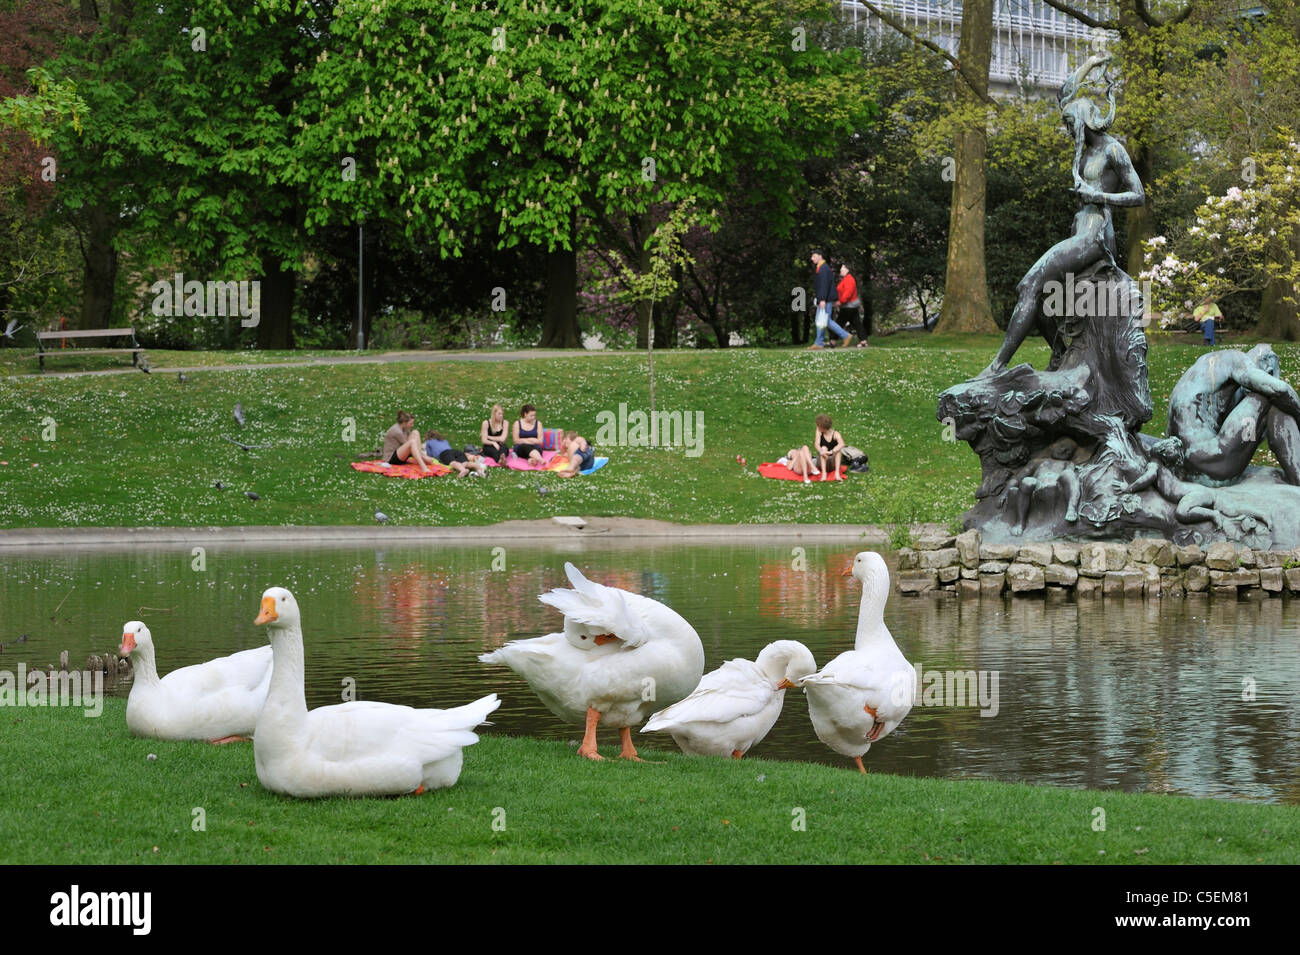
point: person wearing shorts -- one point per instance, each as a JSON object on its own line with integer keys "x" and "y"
{"x": 402, "y": 444}
{"x": 830, "y": 445}
{"x": 439, "y": 447}
{"x": 527, "y": 435}
{"x": 579, "y": 452}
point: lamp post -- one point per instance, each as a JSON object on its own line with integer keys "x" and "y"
{"x": 361, "y": 282}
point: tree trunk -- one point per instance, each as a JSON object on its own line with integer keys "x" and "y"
{"x": 639, "y": 227}
{"x": 864, "y": 292}
{"x": 966, "y": 294}
{"x": 666, "y": 316}
{"x": 1139, "y": 221}
{"x": 279, "y": 287}
{"x": 99, "y": 276}
{"x": 560, "y": 324}
{"x": 1278, "y": 318}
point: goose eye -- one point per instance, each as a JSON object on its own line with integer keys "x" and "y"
{"x": 584, "y": 636}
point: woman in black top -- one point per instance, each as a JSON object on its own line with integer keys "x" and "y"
{"x": 492, "y": 434}
{"x": 830, "y": 446}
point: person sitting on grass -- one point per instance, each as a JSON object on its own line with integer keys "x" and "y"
{"x": 439, "y": 447}
{"x": 830, "y": 447}
{"x": 526, "y": 435}
{"x": 579, "y": 453}
{"x": 402, "y": 444}
{"x": 799, "y": 460}
{"x": 492, "y": 434}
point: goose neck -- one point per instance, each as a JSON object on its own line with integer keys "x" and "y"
{"x": 287, "y": 670}
{"x": 144, "y": 667}
{"x": 871, "y": 614}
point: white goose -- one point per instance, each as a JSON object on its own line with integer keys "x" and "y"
{"x": 217, "y": 701}
{"x": 863, "y": 694}
{"x": 737, "y": 704}
{"x": 620, "y": 657}
{"x": 361, "y": 748}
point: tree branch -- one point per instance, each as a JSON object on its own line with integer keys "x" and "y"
{"x": 931, "y": 46}
{"x": 1151, "y": 20}
{"x": 1085, "y": 19}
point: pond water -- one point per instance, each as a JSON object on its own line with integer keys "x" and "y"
{"x": 1191, "y": 696}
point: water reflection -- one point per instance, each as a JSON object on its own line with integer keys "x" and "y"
{"x": 1192, "y": 696}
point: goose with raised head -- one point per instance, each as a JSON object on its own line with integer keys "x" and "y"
{"x": 362, "y": 748}
{"x": 737, "y": 704}
{"x": 620, "y": 657}
{"x": 217, "y": 701}
{"x": 862, "y": 695}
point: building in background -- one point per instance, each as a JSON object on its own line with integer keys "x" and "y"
{"x": 1035, "y": 46}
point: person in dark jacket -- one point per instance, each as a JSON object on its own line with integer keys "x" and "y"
{"x": 823, "y": 294}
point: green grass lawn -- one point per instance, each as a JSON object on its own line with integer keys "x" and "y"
{"x": 146, "y": 450}
{"x": 75, "y": 790}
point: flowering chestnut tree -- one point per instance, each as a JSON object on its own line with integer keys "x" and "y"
{"x": 1246, "y": 240}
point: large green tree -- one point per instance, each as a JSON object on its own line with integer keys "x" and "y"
{"x": 550, "y": 124}
{"x": 187, "y": 157}
{"x": 35, "y": 251}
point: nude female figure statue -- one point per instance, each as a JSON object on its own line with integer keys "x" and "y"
{"x": 1103, "y": 177}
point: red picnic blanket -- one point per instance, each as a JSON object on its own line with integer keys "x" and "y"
{"x": 400, "y": 470}
{"x": 770, "y": 469}
{"x": 407, "y": 470}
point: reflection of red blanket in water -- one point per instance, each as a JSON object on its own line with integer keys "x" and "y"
{"x": 783, "y": 473}
{"x": 803, "y": 594}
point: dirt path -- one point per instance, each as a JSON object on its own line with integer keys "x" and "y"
{"x": 378, "y": 358}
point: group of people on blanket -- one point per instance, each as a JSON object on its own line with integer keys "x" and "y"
{"x": 403, "y": 445}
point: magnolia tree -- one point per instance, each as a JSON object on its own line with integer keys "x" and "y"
{"x": 1246, "y": 240}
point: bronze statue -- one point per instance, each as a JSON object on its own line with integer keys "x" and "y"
{"x": 1061, "y": 449}
{"x": 1103, "y": 177}
{"x": 1223, "y": 406}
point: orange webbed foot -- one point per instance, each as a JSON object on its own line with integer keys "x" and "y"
{"x": 230, "y": 739}
{"x": 588, "y": 747}
{"x": 628, "y": 751}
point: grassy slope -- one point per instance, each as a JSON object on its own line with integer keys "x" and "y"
{"x": 77, "y": 790}
{"x": 145, "y": 449}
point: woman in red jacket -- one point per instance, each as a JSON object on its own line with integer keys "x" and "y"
{"x": 850, "y": 304}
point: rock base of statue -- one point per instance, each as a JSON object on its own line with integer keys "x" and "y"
{"x": 1060, "y": 449}
{"x": 1259, "y": 510}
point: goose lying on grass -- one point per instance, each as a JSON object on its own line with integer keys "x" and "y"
{"x": 362, "y": 748}
{"x": 217, "y": 701}
{"x": 737, "y": 704}
{"x": 863, "y": 694}
{"x": 620, "y": 657}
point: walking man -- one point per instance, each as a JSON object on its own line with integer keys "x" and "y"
{"x": 823, "y": 289}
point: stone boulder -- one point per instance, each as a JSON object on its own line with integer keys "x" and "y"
{"x": 1025, "y": 577}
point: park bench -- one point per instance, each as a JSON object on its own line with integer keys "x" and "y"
{"x": 42, "y": 337}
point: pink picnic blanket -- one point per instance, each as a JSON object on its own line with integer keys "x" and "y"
{"x": 519, "y": 464}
